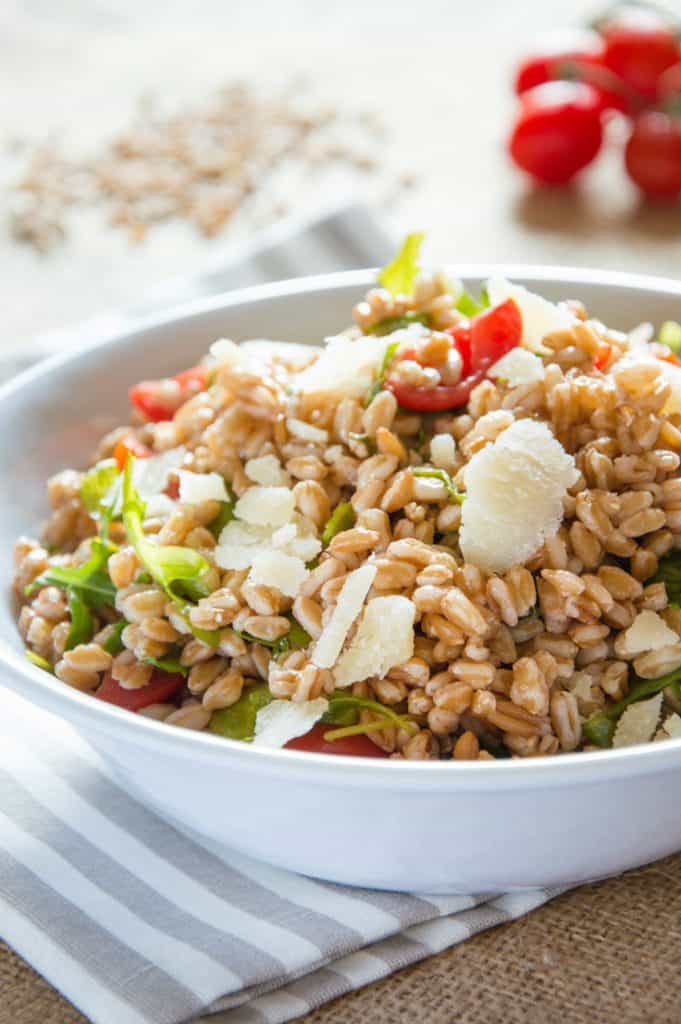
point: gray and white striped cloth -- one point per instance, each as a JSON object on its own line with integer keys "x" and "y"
{"x": 137, "y": 922}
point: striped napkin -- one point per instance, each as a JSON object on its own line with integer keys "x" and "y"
{"x": 135, "y": 921}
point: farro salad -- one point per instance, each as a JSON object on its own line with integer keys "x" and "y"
{"x": 453, "y": 531}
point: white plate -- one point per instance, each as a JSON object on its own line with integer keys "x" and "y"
{"x": 428, "y": 826}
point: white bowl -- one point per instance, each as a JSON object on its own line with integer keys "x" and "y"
{"x": 430, "y": 827}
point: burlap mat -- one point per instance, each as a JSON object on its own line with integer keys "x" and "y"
{"x": 608, "y": 953}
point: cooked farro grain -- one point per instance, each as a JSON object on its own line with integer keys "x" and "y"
{"x": 187, "y": 611}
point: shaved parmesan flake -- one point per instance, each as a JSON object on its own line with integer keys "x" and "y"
{"x": 443, "y": 451}
{"x": 540, "y": 317}
{"x": 307, "y": 431}
{"x": 151, "y": 475}
{"x": 348, "y": 607}
{"x": 282, "y": 720}
{"x": 284, "y": 535}
{"x": 159, "y": 506}
{"x": 225, "y": 351}
{"x": 385, "y": 638}
{"x": 648, "y": 632}
{"x": 346, "y": 366}
{"x": 638, "y": 722}
{"x": 515, "y": 489}
{"x": 239, "y": 543}
{"x": 285, "y": 573}
{"x": 232, "y": 556}
{"x": 518, "y": 367}
{"x": 266, "y": 470}
{"x": 265, "y": 506}
{"x": 198, "y": 487}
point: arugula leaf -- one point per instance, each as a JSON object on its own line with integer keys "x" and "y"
{"x": 467, "y": 305}
{"x": 484, "y": 297}
{"x": 38, "y": 660}
{"x": 341, "y": 705}
{"x": 444, "y": 477}
{"x": 238, "y": 721}
{"x": 378, "y": 384}
{"x": 224, "y": 516}
{"x": 82, "y": 625}
{"x": 399, "y": 275}
{"x": 342, "y": 518}
{"x": 177, "y": 570}
{"x": 670, "y": 335}
{"x": 210, "y": 637}
{"x": 600, "y": 727}
{"x": 397, "y": 323}
{"x": 113, "y": 643}
{"x": 97, "y": 484}
{"x": 669, "y": 573}
{"x": 169, "y": 663}
{"x": 90, "y": 579}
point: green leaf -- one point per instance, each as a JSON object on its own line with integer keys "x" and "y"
{"x": 210, "y": 637}
{"x": 169, "y": 663}
{"x": 379, "y": 383}
{"x": 669, "y": 573}
{"x": 467, "y": 305}
{"x": 342, "y": 518}
{"x": 90, "y": 579}
{"x": 97, "y": 484}
{"x": 600, "y": 727}
{"x": 114, "y": 643}
{"x": 484, "y": 297}
{"x": 177, "y": 570}
{"x": 399, "y": 275}
{"x": 397, "y": 323}
{"x": 670, "y": 335}
{"x": 344, "y": 711}
{"x": 224, "y": 516}
{"x": 444, "y": 477}
{"x": 238, "y": 721}
{"x": 82, "y": 626}
{"x": 38, "y": 660}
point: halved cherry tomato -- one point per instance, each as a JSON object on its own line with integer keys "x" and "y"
{"x": 653, "y": 154}
{"x": 494, "y": 332}
{"x": 351, "y": 746}
{"x": 461, "y": 335}
{"x": 483, "y": 341}
{"x": 161, "y": 687}
{"x": 602, "y": 356}
{"x": 130, "y": 445}
{"x": 159, "y": 400}
{"x": 435, "y": 399}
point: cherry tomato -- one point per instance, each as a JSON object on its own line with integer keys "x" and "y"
{"x": 159, "y": 400}
{"x": 653, "y": 154}
{"x": 351, "y": 746}
{"x": 548, "y": 62}
{"x": 130, "y": 446}
{"x": 602, "y": 356}
{"x": 161, "y": 687}
{"x": 461, "y": 335}
{"x": 669, "y": 84}
{"x": 435, "y": 399}
{"x": 494, "y": 332}
{"x": 639, "y": 46}
{"x": 558, "y": 131}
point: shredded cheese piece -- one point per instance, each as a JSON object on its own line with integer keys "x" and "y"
{"x": 638, "y": 722}
{"x": 265, "y": 506}
{"x": 151, "y": 475}
{"x": 285, "y": 573}
{"x": 519, "y": 366}
{"x": 385, "y": 638}
{"x": 515, "y": 489}
{"x": 266, "y": 470}
{"x": 282, "y": 720}
{"x": 648, "y": 632}
{"x": 348, "y": 606}
{"x": 198, "y": 487}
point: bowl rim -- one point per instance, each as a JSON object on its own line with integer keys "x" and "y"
{"x": 71, "y": 704}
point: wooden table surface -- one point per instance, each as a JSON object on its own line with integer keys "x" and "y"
{"x": 438, "y": 73}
